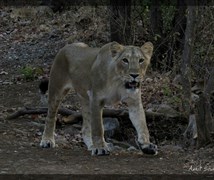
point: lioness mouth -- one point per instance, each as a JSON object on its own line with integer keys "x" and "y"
{"x": 132, "y": 85}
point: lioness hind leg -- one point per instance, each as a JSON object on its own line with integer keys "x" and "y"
{"x": 137, "y": 116}
{"x": 54, "y": 100}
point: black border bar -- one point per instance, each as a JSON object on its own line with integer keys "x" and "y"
{"x": 104, "y": 176}
{"x": 99, "y": 2}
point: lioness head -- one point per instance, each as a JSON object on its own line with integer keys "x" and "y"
{"x": 132, "y": 62}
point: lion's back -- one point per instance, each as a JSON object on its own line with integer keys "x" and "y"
{"x": 79, "y": 59}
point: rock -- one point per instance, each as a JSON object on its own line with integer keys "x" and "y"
{"x": 71, "y": 130}
{"x": 198, "y": 87}
{"x": 77, "y": 126}
{"x": 43, "y": 100}
{"x": 191, "y": 131}
{"x": 11, "y": 110}
{"x": 149, "y": 80}
{"x": 110, "y": 125}
{"x": 173, "y": 148}
{"x": 117, "y": 148}
{"x": 121, "y": 144}
{"x": 132, "y": 148}
{"x": 61, "y": 140}
{"x": 7, "y": 83}
{"x": 27, "y": 12}
{"x": 3, "y": 73}
{"x": 97, "y": 169}
{"x": 163, "y": 109}
{"x": 38, "y": 133}
{"x": 194, "y": 97}
{"x": 44, "y": 28}
{"x": 44, "y": 11}
{"x": 177, "y": 80}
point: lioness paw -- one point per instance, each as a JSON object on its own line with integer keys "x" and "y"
{"x": 100, "y": 152}
{"x": 47, "y": 143}
{"x": 148, "y": 148}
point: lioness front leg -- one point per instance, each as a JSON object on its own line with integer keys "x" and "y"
{"x": 86, "y": 125}
{"x": 99, "y": 146}
{"x": 137, "y": 116}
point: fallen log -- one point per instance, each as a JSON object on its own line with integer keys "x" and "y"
{"x": 42, "y": 110}
{"x": 65, "y": 112}
{"x": 75, "y": 117}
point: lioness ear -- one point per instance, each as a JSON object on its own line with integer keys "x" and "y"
{"x": 116, "y": 48}
{"x": 147, "y": 49}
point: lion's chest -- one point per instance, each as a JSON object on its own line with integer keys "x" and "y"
{"x": 115, "y": 95}
{"x": 110, "y": 96}
{"x": 112, "y": 99}
{"x": 120, "y": 95}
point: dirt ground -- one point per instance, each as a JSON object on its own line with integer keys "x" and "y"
{"x": 19, "y": 146}
{"x": 20, "y": 152}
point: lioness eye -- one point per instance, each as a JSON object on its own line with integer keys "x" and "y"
{"x": 141, "y": 61}
{"x": 125, "y": 61}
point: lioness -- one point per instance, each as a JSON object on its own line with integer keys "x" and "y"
{"x": 100, "y": 76}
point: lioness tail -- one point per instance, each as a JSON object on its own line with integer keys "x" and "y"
{"x": 43, "y": 86}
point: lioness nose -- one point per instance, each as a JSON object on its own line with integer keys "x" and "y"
{"x": 134, "y": 75}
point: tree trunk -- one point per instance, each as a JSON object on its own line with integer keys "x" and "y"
{"x": 204, "y": 119}
{"x": 207, "y": 92}
{"x": 186, "y": 69}
{"x": 187, "y": 59}
{"x": 178, "y": 30}
{"x": 179, "y": 23}
{"x": 156, "y": 30}
{"x": 156, "y": 18}
{"x": 120, "y": 21}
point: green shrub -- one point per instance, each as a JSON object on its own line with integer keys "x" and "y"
{"x": 28, "y": 73}
{"x": 31, "y": 73}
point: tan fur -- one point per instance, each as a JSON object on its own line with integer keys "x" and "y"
{"x": 98, "y": 75}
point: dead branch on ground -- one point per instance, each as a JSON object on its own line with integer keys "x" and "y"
{"x": 75, "y": 117}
